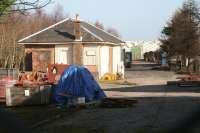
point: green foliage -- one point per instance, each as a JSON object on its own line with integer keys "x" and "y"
{"x": 167, "y": 31}
{"x": 181, "y": 35}
{"x": 4, "y": 5}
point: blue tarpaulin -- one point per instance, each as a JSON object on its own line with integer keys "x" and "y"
{"x": 77, "y": 81}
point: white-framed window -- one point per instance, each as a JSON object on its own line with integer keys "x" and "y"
{"x": 90, "y": 57}
{"x": 63, "y": 55}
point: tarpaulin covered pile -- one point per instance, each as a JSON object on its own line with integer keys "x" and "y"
{"x": 77, "y": 81}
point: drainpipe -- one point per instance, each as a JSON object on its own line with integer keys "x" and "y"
{"x": 99, "y": 61}
{"x": 122, "y": 61}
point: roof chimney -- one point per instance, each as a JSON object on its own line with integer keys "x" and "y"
{"x": 77, "y": 46}
{"x": 77, "y": 17}
{"x": 77, "y": 28}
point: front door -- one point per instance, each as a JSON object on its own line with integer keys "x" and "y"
{"x": 111, "y": 60}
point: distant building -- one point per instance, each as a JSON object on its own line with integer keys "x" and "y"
{"x": 140, "y": 47}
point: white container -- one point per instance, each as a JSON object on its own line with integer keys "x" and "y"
{"x": 81, "y": 100}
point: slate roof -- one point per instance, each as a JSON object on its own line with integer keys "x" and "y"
{"x": 63, "y": 31}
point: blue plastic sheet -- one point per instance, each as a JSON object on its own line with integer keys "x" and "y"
{"x": 77, "y": 81}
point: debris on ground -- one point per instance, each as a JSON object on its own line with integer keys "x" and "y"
{"x": 76, "y": 85}
{"x": 189, "y": 78}
{"x": 186, "y": 81}
{"x": 118, "y": 102}
{"x": 118, "y": 82}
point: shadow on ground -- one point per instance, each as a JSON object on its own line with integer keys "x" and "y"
{"x": 149, "y": 115}
{"x": 156, "y": 88}
{"x": 143, "y": 67}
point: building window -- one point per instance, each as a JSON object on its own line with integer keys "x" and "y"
{"x": 63, "y": 58}
{"x": 90, "y": 57}
{"x": 28, "y": 62}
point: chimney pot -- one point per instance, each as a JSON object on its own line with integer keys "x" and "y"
{"x": 77, "y": 28}
{"x": 77, "y": 17}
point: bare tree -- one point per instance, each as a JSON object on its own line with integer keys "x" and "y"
{"x": 21, "y": 6}
{"x": 58, "y": 13}
{"x": 110, "y": 30}
{"x": 99, "y": 25}
{"x": 15, "y": 27}
{"x": 113, "y": 32}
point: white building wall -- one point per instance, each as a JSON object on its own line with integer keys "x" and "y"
{"x": 101, "y": 57}
{"x": 60, "y": 57}
{"x": 146, "y": 46}
{"x": 151, "y": 46}
{"x": 118, "y": 65}
{"x": 104, "y": 60}
{"x": 90, "y": 55}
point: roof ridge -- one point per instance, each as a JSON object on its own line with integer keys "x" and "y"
{"x": 103, "y": 30}
{"x": 40, "y": 31}
{"x": 92, "y": 33}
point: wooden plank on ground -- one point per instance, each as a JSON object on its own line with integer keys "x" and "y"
{"x": 19, "y": 96}
{"x": 118, "y": 102}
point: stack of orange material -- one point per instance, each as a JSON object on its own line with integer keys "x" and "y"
{"x": 32, "y": 79}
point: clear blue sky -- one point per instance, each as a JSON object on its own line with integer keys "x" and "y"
{"x": 134, "y": 19}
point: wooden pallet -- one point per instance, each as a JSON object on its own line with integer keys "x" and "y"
{"x": 118, "y": 102}
{"x": 184, "y": 83}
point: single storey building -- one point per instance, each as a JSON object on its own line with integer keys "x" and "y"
{"x": 73, "y": 41}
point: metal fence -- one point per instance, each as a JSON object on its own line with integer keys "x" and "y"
{"x": 5, "y": 72}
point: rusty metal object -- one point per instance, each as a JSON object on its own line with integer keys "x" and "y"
{"x": 189, "y": 78}
{"x": 186, "y": 81}
{"x": 55, "y": 71}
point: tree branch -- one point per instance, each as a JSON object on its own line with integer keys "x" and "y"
{"x": 21, "y": 6}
